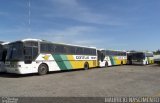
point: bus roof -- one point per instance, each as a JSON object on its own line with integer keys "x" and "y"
{"x": 74, "y": 45}
{"x": 39, "y": 40}
{"x": 141, "y": 52}
{"x": 24, "y": 40}
{"x": 5, "y": 43}
{"x": 114, "y": 50}
{"x": 69, "y": 44}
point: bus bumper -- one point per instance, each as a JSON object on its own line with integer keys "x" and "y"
{"x": 17, "y": 70}
{"x": 138, "y": 63}
{"x": 20, "y": 68}
{"x": 2, "y": 67}
{"x": 13, "y": 70}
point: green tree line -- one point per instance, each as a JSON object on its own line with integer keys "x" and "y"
{"x": 157, "y": 52}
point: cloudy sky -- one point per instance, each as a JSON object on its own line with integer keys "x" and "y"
{"x": 112, "y": 24}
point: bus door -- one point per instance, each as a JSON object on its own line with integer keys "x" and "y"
{"x": 101, "y": 58}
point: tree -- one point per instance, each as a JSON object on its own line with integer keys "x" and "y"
{"x": 157, "y": 52}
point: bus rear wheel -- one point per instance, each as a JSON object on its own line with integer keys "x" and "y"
{"x": 86, "y": 66}
{"x": 121, "y": 62}
{"x": 106, "y": 64}
{"x": 42, "y": 69}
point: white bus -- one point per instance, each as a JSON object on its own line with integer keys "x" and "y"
{"x": 39, "y": 56}
{"x": 3, "y": 53}
{"x": 111, "y": 57}
{"x": 141, "y": 58}
{"x": 157, "y": 59}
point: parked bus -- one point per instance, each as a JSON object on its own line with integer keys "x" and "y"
{"x": 3, "y": 53}
{"x": 40, "y": 56}
{"x": 111, "y": 58}
{"x": 157, "y": 59}
{"x": 142, "y": 58}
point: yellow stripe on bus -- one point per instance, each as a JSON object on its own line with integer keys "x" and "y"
{"x": 78, "y": 64}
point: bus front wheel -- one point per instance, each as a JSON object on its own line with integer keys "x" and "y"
{"x": 121, "y": 62}
{"x": 86, "y": 66}
{"x": 106, "y": 64}
{"x": 42, "y": 69}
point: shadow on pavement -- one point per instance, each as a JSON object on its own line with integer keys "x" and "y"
{"x": 12, "y": 75}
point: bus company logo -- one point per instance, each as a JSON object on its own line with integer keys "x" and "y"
{"x": 46, "y": 57}
{"x": 93, "y": 58}
{"x": 85, "y": 58}
{"x": 82, "y": 57}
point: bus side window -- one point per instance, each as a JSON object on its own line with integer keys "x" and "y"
{"x": 30, "y": 53}
{"x": 70, "y": 50}
{"x": 79, "y": 51}
{"x": 59, "y": 49}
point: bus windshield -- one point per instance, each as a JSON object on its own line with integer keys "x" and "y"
{"x": 136, "y": 56}
{"x": 1, "y": 52}
{"x": 15, "y": 52}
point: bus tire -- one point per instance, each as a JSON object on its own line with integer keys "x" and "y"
{"x": 121, "y": 62}
{"x": 106, "y": 64}
{"x": 43, "y": 69}
{"x": 130, "y": 62}
{"x": 86, "y": 66}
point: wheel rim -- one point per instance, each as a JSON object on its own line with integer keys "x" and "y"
{"x": 86, "y": 66}
{"x": 106, "y": 64}
{"x": 43, "y": 70}
{"x": 121, "y": 63}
